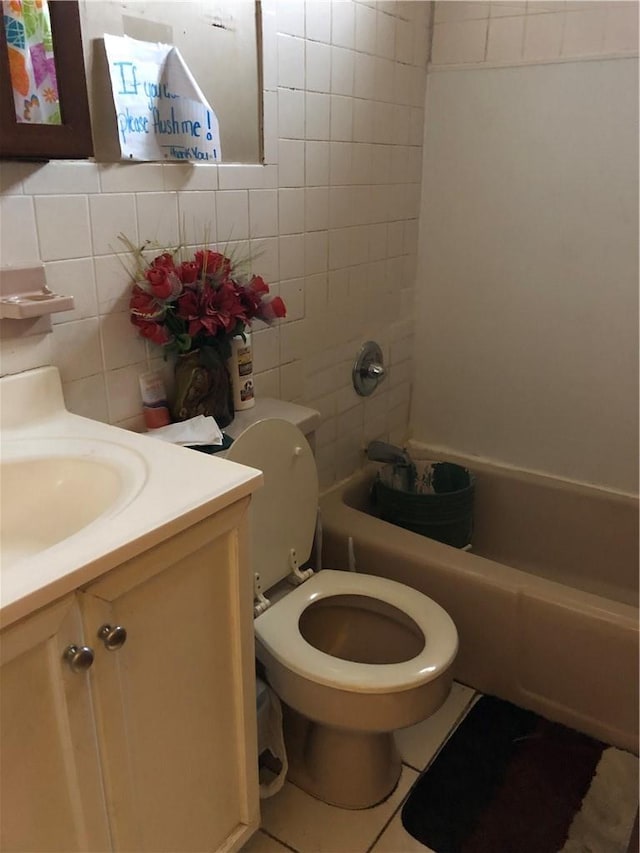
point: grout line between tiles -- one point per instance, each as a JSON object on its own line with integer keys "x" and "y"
{"x": 476, "y": 696}
{"x": 279, "y": 840}
{"x": 419, "y": 771}
{"x": 394, "y": 813}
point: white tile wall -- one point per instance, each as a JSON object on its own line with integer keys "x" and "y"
{"x": 543, "y": 36}
{"x": 507, "y": 31}
{"x": 331, "y": 221}
{"x": 64, "y": 229}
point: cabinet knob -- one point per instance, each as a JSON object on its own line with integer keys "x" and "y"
{"x": 113, "y": 637}
{"x": 79, "y": 658}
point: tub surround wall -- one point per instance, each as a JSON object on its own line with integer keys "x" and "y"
{"x": 331, "y": 219}
{"x": 514, "y": 31}
{"x": 526, "y": 324}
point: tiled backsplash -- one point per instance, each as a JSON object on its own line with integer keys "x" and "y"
{"x": 331, "y": 221}
{"x": 514, "y": 31}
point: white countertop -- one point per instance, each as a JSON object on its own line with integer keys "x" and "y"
{"x": 170, "y": 489}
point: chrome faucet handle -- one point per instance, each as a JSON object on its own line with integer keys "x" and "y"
{"x": 376, "y": 371}
{"x": 368, "y": 370}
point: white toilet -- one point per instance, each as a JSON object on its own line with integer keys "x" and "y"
{"x": 352, "y": 657}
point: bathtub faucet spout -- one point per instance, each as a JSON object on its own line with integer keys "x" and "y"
{"x": 380, "y": 451}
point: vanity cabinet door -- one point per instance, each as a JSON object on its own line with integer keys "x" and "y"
{"x": 175, "y": 704}
{"x": 50, "y": 780}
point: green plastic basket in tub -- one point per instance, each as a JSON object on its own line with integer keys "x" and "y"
{"x": 434, "y": 499}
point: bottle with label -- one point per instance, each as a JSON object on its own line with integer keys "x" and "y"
{"x": 154, "y": 400}
{"x": 241, "y": 370}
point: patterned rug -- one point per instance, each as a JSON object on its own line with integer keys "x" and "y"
{"x": 509, "y": 781}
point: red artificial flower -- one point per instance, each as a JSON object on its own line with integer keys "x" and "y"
{"x": 188, "y": 272}
{"x": 274, "y": 309}
{"x": 213, "y": 263}
{"x": 188, "y": 305}
{"x": 164, "y": 261}
{"x": 258, "y": 285}
{"x": 143, "y": 304}
{"x": 278, "y": 307}
{"x": 221, "y": 309}
{"x": 152, "y": 331}
{"x": 250, "y": 301}
{"x": 199, "y": 302}
{"x": 160, "y": 282}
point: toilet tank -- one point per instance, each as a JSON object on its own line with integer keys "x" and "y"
{"x": 267, "y": 407}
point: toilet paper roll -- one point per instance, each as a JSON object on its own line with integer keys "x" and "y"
{"x": 271, "y": 739}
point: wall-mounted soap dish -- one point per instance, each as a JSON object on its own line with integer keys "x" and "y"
{"x": 24, "y": 294}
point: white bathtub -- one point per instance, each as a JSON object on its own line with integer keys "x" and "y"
{"x": 546, "y": 604}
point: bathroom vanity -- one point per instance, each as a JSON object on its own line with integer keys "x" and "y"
{"x": 127, "y": 718}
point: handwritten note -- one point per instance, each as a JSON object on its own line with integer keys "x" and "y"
{"x": 160, "y": 109}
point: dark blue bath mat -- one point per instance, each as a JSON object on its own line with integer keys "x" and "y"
{"x": 509, "y": 781}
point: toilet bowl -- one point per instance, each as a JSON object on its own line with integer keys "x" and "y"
{"x": 352, "y": 657}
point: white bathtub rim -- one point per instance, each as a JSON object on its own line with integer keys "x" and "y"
{"x": 420, "y": 450}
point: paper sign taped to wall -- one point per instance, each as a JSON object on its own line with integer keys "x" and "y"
{"x": 161, "y": 111}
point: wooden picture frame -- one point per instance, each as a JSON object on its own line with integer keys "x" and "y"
{"x": 72, "y": 139}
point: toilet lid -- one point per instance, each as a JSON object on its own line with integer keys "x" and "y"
{"x": 284, "y": 510}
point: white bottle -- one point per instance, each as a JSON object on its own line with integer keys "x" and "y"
{"x": 241, "y": 369}
{"x": 154, "y": 400}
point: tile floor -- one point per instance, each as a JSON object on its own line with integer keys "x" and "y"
{"x": 294, "y": 821}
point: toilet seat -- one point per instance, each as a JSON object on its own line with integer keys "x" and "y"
{"x": 278, "y": 631}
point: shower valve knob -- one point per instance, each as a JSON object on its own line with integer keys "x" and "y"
{"x": 368, "y": 370}
{"x": 376, "y": 371}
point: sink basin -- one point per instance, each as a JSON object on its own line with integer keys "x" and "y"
{"x": 53, "y": 489}
{"x": 80, "y": 497}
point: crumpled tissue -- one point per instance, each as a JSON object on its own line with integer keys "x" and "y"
{"x": 195, "y": 431}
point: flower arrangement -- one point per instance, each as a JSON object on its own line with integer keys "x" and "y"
{"x": 206, "y": 301}
{"x": 197, "y": 306}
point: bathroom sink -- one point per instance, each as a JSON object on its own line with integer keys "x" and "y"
{"x": 79, "y": 497}
{"x": 53, "y": 489}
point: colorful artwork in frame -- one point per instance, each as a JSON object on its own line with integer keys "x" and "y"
{"x": 31, "y": 61}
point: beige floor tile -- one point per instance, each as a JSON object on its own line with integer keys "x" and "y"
{"x": 263, "y": 843}
{"x": 418, "y": 744}
{"x": 395, "y": 839}
{"x": 310, "y": 826}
